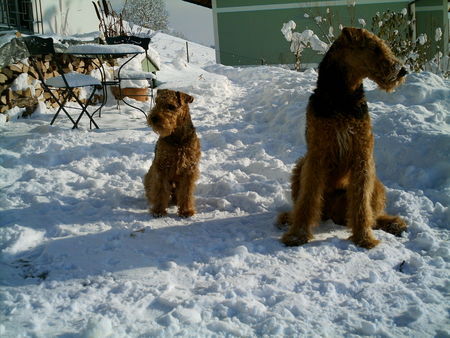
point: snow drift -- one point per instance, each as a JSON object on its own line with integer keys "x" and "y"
{"x": 82, "y": 257}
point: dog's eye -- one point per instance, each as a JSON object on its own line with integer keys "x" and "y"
{"x": 171, "y": 107}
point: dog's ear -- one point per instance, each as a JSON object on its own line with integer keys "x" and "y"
{"x": 162, "y": 92}
{"x": 351, "y": 35}
{"x": 189, "y": 98}
{"x": 184, "y": 98}
{"x": 347, "y": 33}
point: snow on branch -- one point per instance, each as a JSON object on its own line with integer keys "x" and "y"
{"x": 300, "y": 41}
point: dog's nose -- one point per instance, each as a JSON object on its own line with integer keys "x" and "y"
{"x": 154, "y": 119}
{"x": 402, "y": 72}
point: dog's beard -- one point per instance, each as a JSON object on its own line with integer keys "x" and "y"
{"x": 162, "y": 131}
{"x": 389, "y": 82}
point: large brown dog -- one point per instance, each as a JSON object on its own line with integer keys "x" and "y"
{"x": 172, "y": 175}
{"x": 336, "y": 178}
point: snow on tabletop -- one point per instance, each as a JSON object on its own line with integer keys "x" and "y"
{"x": 93, "y": 49}
{"x": 154, "y": 57}
{"x": 81, "y": 256}
{"x": 73, "y": 79}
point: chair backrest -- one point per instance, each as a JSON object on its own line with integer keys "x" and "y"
{"x": 39, "y": 46}
{"x": 130, "y": 39}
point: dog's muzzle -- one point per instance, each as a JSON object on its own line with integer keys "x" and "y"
{"x": 154, "y": 119}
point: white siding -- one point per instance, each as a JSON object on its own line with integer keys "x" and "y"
{"x": 68, "y": 17}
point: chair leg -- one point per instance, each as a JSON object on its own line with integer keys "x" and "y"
{"x": 91, "y": 116}
{"x": 105, "y": 97}
{"x": 122, "y": 98}
{"x": 61, "y": 105}
{"x": 84, "y": 110}
{"x": 120, "y": 88}
{"x": 152, "y": 97}
{"x": 55, "y": 116}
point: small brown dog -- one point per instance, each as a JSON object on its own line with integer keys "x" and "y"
{"x": 336, "y": 178}
{"x": 175, "y": 168}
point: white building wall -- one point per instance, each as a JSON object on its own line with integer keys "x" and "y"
{"x": 67, "y": 17}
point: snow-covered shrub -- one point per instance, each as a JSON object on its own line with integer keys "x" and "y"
{"x": 300, "y": 41}
{"x": 325, "y": 23}
{"x": 440, "y": 63}
{"x": 395, "y": 28}
{"x": 137, "y": 17}
{"x": 110, "y": 22}
{"x": 149, "y": 14}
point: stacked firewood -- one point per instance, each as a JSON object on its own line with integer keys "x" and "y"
{"x": 28, "y": 98}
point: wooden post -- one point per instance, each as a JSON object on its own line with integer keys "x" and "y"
{"x": 187, "y": 52}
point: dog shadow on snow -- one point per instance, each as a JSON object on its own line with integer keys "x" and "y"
{"x": 163, "y": 243}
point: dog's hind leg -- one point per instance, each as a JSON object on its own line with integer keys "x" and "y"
{"x": 392, "y": 224}
{"x": 285, "y": 218}
{"x": 308, "y": 206}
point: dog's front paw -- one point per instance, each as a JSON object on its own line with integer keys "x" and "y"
{"x": 367, "y": 242}
{"x": 290, "y": 239}
{"x": 157, "y": 213}
{"x": 186, "y": 213}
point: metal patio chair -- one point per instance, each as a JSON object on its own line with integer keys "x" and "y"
{"x": 61, "y": 87}
{"x": 127, "y": 75}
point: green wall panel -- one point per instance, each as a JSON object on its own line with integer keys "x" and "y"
{"x": 238, "y": 3}
{"x": 430, "y": 2}
{"x": 255, "y": 37}
{"x": 225, "y": 4}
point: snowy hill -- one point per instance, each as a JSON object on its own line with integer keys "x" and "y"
{"x": 82, "y": 257}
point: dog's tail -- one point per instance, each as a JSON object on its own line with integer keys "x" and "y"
{"x": 392, "y": 224}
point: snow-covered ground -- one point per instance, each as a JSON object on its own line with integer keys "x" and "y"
{"x": 82, "y": 257}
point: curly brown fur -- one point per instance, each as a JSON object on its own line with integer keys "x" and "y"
{"x": 175, "y": 168}
{"x": 336, "y": 178}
